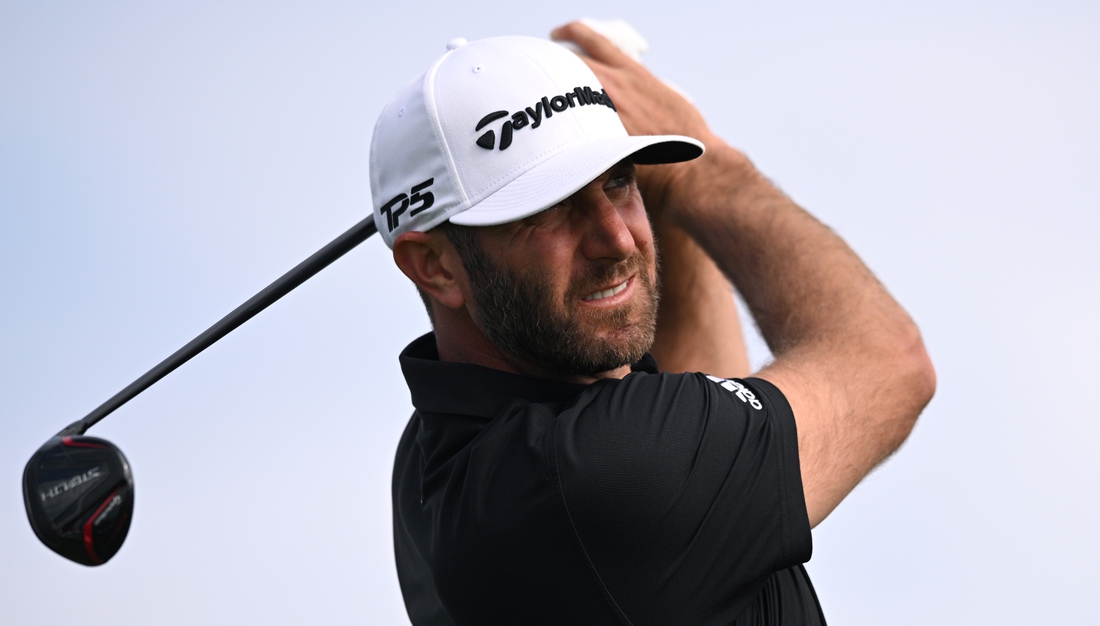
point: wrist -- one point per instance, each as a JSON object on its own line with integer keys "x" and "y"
{"x": 708, "y": 183}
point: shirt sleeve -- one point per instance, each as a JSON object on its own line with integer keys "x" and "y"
{"x": 684, "y": 493}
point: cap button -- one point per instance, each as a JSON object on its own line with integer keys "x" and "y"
{"x": 457, "y": 42}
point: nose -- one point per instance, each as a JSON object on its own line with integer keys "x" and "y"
{"x": 607, "y": 236}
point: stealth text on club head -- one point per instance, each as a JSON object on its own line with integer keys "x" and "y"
{"x": 79, "y": 495}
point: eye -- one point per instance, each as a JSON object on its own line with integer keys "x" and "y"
{"x": 621, "y": 179}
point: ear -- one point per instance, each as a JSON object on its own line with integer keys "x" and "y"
{"x": 430, "y": 260}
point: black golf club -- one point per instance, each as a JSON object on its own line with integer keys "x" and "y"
{"x": 79, "y": 491}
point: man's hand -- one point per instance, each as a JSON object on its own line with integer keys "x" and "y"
{"x": 646, "y": 105}
{"x": 650, "y": 107}
{"x": 847, "y": 357}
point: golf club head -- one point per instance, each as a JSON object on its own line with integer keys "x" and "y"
{"x": 79, "y": 494}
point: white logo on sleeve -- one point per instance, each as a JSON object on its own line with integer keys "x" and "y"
{"x": 740, "y": 390}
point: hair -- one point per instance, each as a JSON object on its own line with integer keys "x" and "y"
{"x": 465, "y": 241}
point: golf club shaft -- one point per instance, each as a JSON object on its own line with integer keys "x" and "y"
{"x": 285, "y": 284}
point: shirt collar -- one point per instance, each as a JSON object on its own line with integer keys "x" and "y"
{"x": 462, "y": 388}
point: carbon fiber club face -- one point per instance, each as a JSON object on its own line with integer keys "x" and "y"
{"x": 79, "y": 494}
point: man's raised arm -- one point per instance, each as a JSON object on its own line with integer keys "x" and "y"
{"x": 847, "y": 357}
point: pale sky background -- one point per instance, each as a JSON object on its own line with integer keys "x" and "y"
{"x": 160, "y": 163}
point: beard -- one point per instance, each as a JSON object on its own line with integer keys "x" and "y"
{"x": 521, "y": 317}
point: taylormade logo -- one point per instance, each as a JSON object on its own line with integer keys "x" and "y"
{"x": 115, "y": 501}
{"x": 533, "y": 116}
{"x": 72, "y": 483}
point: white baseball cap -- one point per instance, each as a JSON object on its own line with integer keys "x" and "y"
{"x": 495, "y": 131}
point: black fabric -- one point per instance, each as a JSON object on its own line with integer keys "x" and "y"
{"x": 655, "y": 499}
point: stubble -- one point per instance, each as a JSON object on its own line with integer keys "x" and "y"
{"x": 519, "y": 314}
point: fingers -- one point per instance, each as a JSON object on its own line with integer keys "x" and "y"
{"x": 645, "y": 104}
{"x": 594, "y": 44}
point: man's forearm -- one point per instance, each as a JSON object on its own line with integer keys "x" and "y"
{"x": 803, "y": 283}
{"x": 698, "y": 327}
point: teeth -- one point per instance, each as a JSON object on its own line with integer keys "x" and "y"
{"x": 607, "y": 293}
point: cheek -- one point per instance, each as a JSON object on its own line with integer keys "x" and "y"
{"x": 550, "y": 267}
{"x": 550, "y": 259}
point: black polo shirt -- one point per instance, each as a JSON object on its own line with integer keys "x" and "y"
{"x": 655, "y": 499}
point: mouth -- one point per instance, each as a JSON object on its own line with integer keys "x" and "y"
{"x": 603, "y": 294}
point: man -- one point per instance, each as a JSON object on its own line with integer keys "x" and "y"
{"x": 551, "y": 474}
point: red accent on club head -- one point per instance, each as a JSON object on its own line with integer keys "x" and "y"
{"x": 80, "y": 444}
{"x": 88, "y": 545}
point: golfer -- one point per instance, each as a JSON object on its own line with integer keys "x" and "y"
{"x": 554, "y": 471}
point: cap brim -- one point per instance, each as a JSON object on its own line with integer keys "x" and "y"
{"x": 562, "y": 175}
